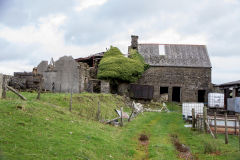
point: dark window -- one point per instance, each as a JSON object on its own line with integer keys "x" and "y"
{"x": 163, "y": 90}
{"x": 176, "y": 94}
{"x": 201, "y": 95}
{"x": 238, "y": 92}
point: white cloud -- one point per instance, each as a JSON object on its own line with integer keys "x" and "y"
{"x": 225, "y": 69}
{"x": 231, "y": 1}
{"x": 9, "y": 67}
{"x": 84, "y": 4}
{"x": 172, "y": 36}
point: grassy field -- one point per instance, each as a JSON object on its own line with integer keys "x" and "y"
{"x": 46, "y": 129}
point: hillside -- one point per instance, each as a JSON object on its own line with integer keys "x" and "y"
{"x": 46, "y": 129}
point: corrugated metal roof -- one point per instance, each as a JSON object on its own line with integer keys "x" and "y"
{"x": 230, "y": 83}
{"x": 181, "y": 55}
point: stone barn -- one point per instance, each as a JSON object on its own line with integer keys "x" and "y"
{"x": 180, "y": 71}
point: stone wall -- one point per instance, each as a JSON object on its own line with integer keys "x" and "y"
{"x": 123, "y": 89}
{"x": 83, "y": 76}
{"x": 49, "y": 80}
{"x": 67, "y": 76}
{"x": 1, "y": 84}
{"x": 105, "y": 86}
{"x": 42, "y": 67}
{"x": 25, "y": 80}
{"x": 189, "y": 79}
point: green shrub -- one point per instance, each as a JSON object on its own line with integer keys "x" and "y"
{"x": 210, "y": 147}
{"x": 115, "y": 66}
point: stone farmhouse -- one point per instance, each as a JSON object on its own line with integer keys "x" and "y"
{"x": 181, "y": 71}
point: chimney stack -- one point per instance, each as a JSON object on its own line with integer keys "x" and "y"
{"x": 134, "y": 43}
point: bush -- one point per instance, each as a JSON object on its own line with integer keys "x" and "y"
{"x": 114, "y": 66}
{"x": 210, "y": 147}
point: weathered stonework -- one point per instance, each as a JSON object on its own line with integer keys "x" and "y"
{"x": 67, "y": 77}
{"x": 105, "y": 86}
{"x": 189, "y": 79}
{"x": 49, "y": 80}
{"x": 83, "y": 76}
{"x": 42, "y": 67}
{"x": 123, "y": 89}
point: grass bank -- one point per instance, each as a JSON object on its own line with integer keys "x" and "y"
{"x": 46, "y": 129}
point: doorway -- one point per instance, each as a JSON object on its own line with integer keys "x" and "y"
{"x": 176, "y": 94}
{"x": 201, "y": 96}
{"x": 163, "y": 90}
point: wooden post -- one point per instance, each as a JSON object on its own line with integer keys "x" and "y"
{"x": 236, "y": 118}
{"x": 4, "y": 94}
{"x": 193, "y": 119}
{"x": 239, "y": 132}
{"x": 70, "y": 107}
{"x": 226, "y": 129}
{"x": 121, "y": 120}
{"x": 196, "y": 123}
{"x": 39, "y": 89}
{"x": 98, "y": 111}
{"x": 205, "y": 119}
{"x": 215, "y": 124}
{"x": 129, "y": 119}
{"x": 201, "y": 123}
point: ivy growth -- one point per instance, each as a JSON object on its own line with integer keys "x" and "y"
{"x": 115, "y": 66}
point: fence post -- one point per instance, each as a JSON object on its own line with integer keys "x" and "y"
{"x": 98, "y": 111}
{"x": 239, "y": 131}
{"x": 70, "y": 108}
{"x": 39, "y": 89}
{"x": 121, "y": 122}
{"x": 215, "y": 124}
{"x": 196, "y": 123}
{"x": 205, "y": 118}
{"x": 201, "y": 124}
{"x": 226, "y": 129}
{"x": 193, "y": 119}
{"x": 4, "y": 87}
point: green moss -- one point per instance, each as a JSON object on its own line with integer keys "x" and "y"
{"x": 114, "y": 66}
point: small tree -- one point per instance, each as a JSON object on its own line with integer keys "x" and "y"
{"x": 115, "y": 66}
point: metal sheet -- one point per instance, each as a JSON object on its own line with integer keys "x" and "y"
{"x": 138, "y": 91}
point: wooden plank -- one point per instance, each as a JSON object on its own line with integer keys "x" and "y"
{"x": 16, "y": 92}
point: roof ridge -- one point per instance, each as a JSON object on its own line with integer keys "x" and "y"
{"x": 172, "y": 44}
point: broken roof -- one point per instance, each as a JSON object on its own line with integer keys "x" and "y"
{"x": 91, "y": 56}
{"x": 180, "y": 55}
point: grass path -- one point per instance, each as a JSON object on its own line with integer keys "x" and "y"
{"x": 160, "y": 126}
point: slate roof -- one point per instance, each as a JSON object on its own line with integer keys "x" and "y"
{"x": 179, "y": 55}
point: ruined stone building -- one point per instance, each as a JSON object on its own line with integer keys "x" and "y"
{"x": 76, "y": 75}
{"x": 183, "y": 72}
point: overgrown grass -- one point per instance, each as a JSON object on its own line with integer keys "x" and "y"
{"x": 40, "y": 130}
{"x": 45, "y": 129}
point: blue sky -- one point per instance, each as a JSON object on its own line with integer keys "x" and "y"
{"x": 35, "y": 30}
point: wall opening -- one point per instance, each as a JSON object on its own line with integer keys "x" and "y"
{"x": 163, "y": 90}
{"x": 201, "y": 96}
{"x": 176, "y": 94}
{"x": 161, "y": 49}
{"x": 97, "y": 87}
{"x": 238, "y": 92}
